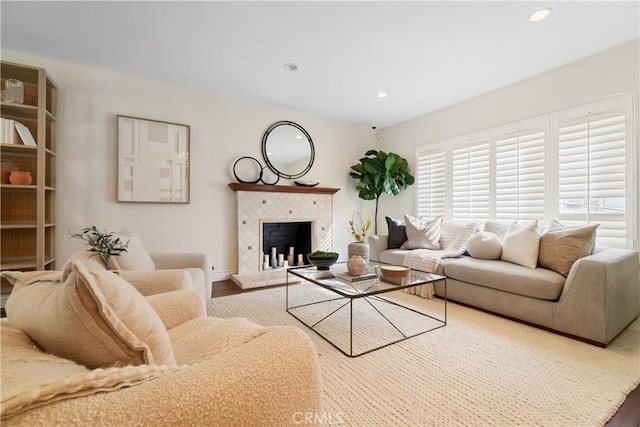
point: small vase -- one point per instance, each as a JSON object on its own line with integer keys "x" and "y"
{"x": 356, "y": 265}
{"x": 359, "y": 248}
{"x": 20, "y": 178}
{"x": 6, "y": 166}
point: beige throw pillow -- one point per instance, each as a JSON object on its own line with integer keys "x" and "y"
{"x": 484, "y": 245}
{"x": 422, "y": 234}
{"x": 521, "y": 244}
{"x": 137, "y": 257}
{"x": 560, "y": 248}
{"x": 94, "y": 318}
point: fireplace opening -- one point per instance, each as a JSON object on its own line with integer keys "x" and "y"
{"x": 286, "y": 235}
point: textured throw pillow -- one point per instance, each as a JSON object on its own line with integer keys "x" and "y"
{"x": 397, "y": 233}
{"x": 94, "y": 318}
{"x": 521, "y": 244}
{"x": 422, "y": 234}
{"x": 496, "y": 228}
{"x": 560, "y": 248}
{"x": 91, "y": 260}
{"x": 484, "y": 245}
{"x": 137, "y": 257}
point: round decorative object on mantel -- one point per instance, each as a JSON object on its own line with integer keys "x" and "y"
{"x": 247, "y": 170}
{"x": 359, "y": 248}
{"x": 356, "y": 265}
{"x": 20, "y": 178}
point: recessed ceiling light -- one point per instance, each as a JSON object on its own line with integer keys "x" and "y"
{"x": 290, "y": 66}
{"x": 381, "y": 95}
{"x": 540, "y": 15}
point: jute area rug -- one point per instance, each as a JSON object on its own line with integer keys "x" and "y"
{"x": 479, "y": 370}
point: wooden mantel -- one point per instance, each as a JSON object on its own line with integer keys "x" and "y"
{"x": 282, "y": 188}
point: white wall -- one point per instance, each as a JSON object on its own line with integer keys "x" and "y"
{"x": 221, "y": 131}
{"x": 610, "y": 73}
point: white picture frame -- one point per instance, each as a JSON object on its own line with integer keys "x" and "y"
{"x": 153, "y": 161}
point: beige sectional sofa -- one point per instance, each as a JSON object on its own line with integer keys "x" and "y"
{"x": 597, "y": 299}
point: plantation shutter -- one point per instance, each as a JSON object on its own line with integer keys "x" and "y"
{"x": 591, "y": 173}
{"x": 520, "y": 175}
{"x": 470, "y": 186}
{"x": 430, "y": 183}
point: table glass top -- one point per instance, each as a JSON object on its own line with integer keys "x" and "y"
{"x": 374, "y": 283}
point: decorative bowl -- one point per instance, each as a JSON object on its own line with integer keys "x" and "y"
{"x": 322, "y": 260}
{"x": 394, "y": 270}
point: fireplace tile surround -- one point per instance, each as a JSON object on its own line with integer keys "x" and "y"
{"x": 257, "y": 204}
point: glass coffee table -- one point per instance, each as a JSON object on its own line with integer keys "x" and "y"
{"x": 356, "y": 317}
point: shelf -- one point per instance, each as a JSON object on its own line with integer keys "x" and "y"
{"x": 19, "y": 264}
{"x": 282, "y": 188}
{"x": 19, "y": 111}
{"x": 17, "y": 225}
{"x": 27, "y": 263}
{"x": 28, "y": 212}
{"x": 18, "y": 187}
{"x": 19, "y": 149}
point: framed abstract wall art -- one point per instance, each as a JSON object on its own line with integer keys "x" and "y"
{"x": 153, "y": 161}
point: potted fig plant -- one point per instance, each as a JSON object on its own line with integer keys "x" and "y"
{"x": 379, "y": 172}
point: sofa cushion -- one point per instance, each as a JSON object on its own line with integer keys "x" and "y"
{"x": 422, "y": 234}
{"x": 94, "y": 318}
{"x": 521, "y": 244}
{"x": 136, "y": 257}
{"x": 496, "y": 228}
{"x": 508, "y": 277}
{"x": 397, "y": 233}
{"x": 484, "y": 245}
{"x": 560, "y": 248}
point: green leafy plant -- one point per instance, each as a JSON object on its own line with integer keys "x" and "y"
{"x": 323, "y": 255}
{"x": 104, "y": 243}
{"x": 379, "y": 172}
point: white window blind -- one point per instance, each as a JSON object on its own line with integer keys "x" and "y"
{"x": 431, "y": 183}
{"x": 470, "y": 181}
{"x": 520, "y": 176}
{"x": 591, "y": 173}
{"x": 575, "y": 165}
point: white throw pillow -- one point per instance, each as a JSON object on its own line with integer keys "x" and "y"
{"x": 484, "y": 245}
{"x": 136, "y": 257}
{"x": 422, "y": 234}
{"x": 521, "y": 244}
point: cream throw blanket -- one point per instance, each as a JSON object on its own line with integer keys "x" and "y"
{"x": 453, "y": 240}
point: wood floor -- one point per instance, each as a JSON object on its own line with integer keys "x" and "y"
{"x": 628, "y": 414}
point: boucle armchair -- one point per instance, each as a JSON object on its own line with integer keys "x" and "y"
{"x": 143, "y": 268}
{"x": 218, "y": 372}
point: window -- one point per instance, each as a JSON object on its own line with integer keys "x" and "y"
{"x": 520, "y": 178}
{"x": 574, "y": 165}
{"x": 470, "y": 183}
{"x": 431, "y": 183}
{"x": 592, "y": 170}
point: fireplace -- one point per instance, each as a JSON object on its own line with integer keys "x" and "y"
{"x": 292, "y": 240}
{"x": 289, "y": 206}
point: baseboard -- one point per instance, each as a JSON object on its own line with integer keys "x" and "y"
{"x": 218, "y": 276}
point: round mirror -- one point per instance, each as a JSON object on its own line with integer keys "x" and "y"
{"x": 288, "y": 150}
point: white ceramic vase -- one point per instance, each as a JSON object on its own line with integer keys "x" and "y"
{"x": 356, "y": 265}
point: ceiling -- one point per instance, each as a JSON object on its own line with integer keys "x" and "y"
{"x": 424, "y": 54}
